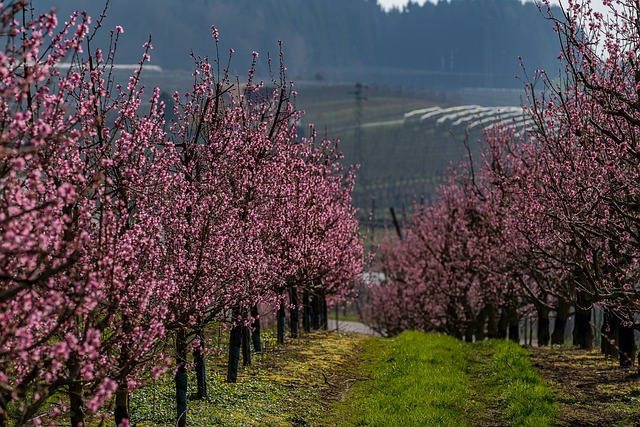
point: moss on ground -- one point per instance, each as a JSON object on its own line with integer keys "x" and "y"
{"x": 288, "y": 385}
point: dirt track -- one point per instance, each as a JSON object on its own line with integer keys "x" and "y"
{"x": 347, "y": 326}
{"x": 591, "y": 390}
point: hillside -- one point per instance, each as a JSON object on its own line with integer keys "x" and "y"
{"x": 461, "y": 43}
{"x": 404, "y": 141}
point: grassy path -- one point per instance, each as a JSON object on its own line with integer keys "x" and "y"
{"x": 422, "y": 379}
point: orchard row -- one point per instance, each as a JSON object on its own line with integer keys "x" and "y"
{"x": 118, "y": 230}
{"x": 547, "y": 218}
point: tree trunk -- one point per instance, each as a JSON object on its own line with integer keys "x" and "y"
{"x": 294, "y": 313}
{"x": 325, "y": 312}
{"x": 246, "y": 347}
{"x": 562, "y": 313}
{"x": 469, "y": 324}
{"x": 282, "y": 320}
{"x": 468, "y": 332}
{"x": 514, "y": 326}
{"x": 503, "y": 324}
{"x": 121, "y": 413}
{"x": 76, "y": 413}
{"x": 307, "y": 311}
{"x": 543, "y": 326}
{"x": 181, "y": 378}
{"x": 609, "y": 334}
{"x": 315, "y": 310}
{"x": 235, "y": 344}
{"x": 492, "y": 322}
{"x": 627, "y": 346}
{"x": 255, "y": 334}
{"x": 452, "y": 325}
{"x": 76, "y": 405}
{"x": 4, "y": 416}
{"x": 479, "y": 324}
{"x": 201, "y": 364}
{"x": 582, "y": 331}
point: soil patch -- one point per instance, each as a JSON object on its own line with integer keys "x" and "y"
{"x": 590, "y": 389}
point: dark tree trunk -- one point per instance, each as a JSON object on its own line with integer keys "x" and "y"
{"x": 627, "y": 346}
{"x": 562, "y": 314}
{"x": 201, "y": 364}
{"x": 235, "y": 344}
{"x": 246, "y": 346}
{"x": 181, "y": 378}
{"x": 452, "y": 325}
{"x": 609, "y": 334}
{"x": 76, "y": 406}
{"x": 479, "y": 324}
{"x": 316, "y": 316}
{"x": 255, "y": 334}
{"x": 558, "y": 331}
{"x": 582, "y": 331}
{"x": 492, "y": 321}
{"x": 468, "y": 332}
{"x": 531, "y": 333}
{"x": 514, "y": 326}
{"x": 294, "y": 313}
{"x": 121, "y": 412}
{"x": 325, "y": 312}
{"x": 4, "y": 416}
{"x": 503, "y": 324}
{"x": 469, "y": 324}
{"x": 543, "y": 326}
{"x": 307, "y": 311}
{"x": 282, "y": 320}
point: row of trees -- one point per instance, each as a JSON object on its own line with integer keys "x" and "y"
{"x": 118, "y": 230}
{"x": 545, "y": 220}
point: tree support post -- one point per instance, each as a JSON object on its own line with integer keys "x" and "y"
{"x": 235, "y": 344}
{"x": 294, "y": 313}
{"x": 201, "y": 364}
{"x": 181, "y": 379}
{"x": 121, "y": 413}
{"x": 246, "y": 347}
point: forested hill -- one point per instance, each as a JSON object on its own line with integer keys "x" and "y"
{"x": 456, "y": 43}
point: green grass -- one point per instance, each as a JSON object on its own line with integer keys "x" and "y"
{"x": 416, "y": 379}
{"x": 421, "y": 379}
{"x": 526, "y": 400}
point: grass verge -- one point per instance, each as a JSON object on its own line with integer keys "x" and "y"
{"x": 508, "y": 386}
{"x": 420, "y": 379}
